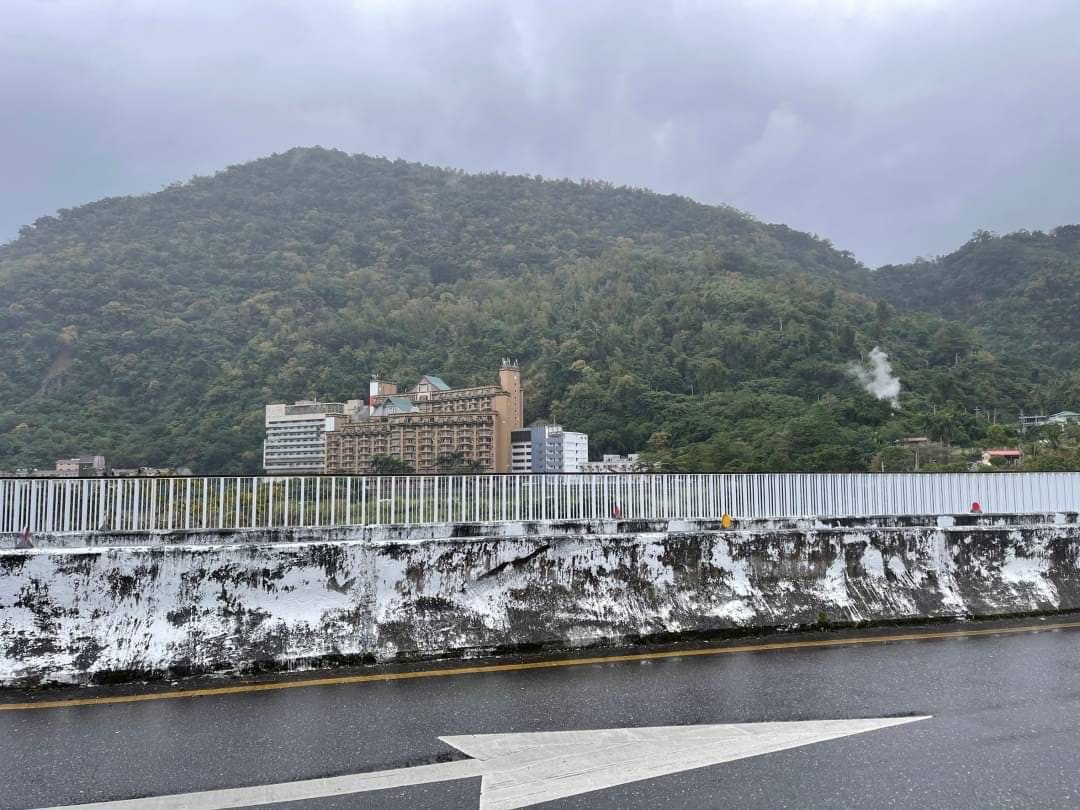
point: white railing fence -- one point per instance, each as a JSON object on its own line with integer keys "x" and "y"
{"x": 170, "y": 504}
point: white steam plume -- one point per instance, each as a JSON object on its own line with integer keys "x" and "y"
{"x": 876, "y": 377}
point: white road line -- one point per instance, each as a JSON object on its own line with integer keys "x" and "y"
{"x": 520, "y": 770}
{"x": 297, "y": 791}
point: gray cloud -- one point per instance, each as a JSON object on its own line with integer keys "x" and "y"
{"x": 893, "y": 127}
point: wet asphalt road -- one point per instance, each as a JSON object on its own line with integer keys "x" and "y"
{"x": 1005, "y": 730}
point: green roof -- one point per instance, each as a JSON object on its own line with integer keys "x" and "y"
{"x": 402, "y": 404}
{"x": 436, "y": 381}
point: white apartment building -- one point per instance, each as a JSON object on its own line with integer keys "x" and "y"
{"x": 574, "y": 450}
{"x": 548, "y": 449}
{"x": 295, "y": 441}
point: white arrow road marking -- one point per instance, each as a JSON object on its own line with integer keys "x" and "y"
{"x": 520, "y": 770}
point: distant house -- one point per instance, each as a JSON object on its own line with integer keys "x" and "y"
{"x": 1011, "y": 457}
{"x": 614, "y": 464}
{"x": 150, "y": 472}
{"x": 1061, "y": 418}
{"x": 83, "y": 466}
{"x": 915, "y": 440}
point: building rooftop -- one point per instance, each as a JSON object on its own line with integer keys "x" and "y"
{"x": 308, "y": 406}
{"x": 435, "y": 381}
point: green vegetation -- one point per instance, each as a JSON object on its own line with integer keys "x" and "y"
{"x": 153, "y": 329}
{"x": 1022, "y": 290}
{"x": 455, "y": 463}
{"x": 390, "y": 465}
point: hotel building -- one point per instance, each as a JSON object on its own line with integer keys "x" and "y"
{"x": 428, "y": 422}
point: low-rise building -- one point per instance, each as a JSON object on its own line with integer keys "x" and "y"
{"x": 1012, "y": 457}
{"x": 548, "y": 449}
{"x": 1060, "y": 418}
{"x": 80, "y": 467}
{"x": 150, "y": 472}
{"x": 615, "y": 464}
{"x": 914, "y": 441}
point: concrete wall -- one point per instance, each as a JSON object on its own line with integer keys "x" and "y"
{"x": 179, "y": 603}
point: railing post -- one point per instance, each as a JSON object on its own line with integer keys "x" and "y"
{"x": 348, "y": 501}
{"x": 16, "y": 513}
{"x": 50, "y": 497}
{"x": 420, "y": 499}
{"x": 435, "y": 499}
{"x": 33, "y": 521}
{"x": 172, "y": 496}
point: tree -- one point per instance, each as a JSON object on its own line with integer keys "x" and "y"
{"x": 390, "y": 465}
{"x": 998, "y": 436}
{"x": 454, "y": 462}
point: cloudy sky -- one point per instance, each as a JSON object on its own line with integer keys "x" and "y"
{"x": 893, "y": 127}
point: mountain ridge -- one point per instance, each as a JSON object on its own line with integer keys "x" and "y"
{"x": 153, "y": 328}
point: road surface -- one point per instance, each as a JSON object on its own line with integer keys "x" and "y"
{"x": 1003, "y": 727}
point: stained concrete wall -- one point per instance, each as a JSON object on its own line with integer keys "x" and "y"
{"x": 138, "y": 605}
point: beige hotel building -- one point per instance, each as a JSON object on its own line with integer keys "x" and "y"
{"x": 427, "y": 421}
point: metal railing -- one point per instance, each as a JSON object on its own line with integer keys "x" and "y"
{"x": 170, "y": 504}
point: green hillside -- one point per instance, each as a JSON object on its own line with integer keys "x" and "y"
{"x": 153, "y": 329}
{"x": 1022, "y": 289}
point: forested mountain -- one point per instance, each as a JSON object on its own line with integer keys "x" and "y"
{"x": 1022, "y": 289}
{"x": 153, "y": 329}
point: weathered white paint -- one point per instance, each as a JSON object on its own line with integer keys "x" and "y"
{"x": 308, "y": 597}
{"x": 521, "y": 770}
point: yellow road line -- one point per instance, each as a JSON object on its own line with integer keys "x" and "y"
{"x": 527, "y": 665}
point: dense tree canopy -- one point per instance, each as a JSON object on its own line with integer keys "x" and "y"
{"x": 153, "y": 329}
{"x": 1022, "y": 290}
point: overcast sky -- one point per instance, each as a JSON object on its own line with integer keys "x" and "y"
{"x": 893, "y": 127}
